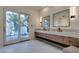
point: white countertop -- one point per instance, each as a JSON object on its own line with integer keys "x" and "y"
{"x": 68, "y": 34}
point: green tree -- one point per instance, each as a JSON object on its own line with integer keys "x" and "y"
{"x": 13, "y": 18}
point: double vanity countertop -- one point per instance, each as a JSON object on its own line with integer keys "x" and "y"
{"x": 68, "y": 34}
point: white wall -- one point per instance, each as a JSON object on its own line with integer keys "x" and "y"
{"x": 74, "y": 23}
{"x": 1, "y": 26}
{"x": 28, "y": 10}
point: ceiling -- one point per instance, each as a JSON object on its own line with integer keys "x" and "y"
{"x": 33, "y": 7}
{"x": 41, "y": 7}
{"x": 36, "y": 7}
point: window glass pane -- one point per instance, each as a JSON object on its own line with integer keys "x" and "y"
{"x": 11, "y": 25}
{"x": 24, "y": 30}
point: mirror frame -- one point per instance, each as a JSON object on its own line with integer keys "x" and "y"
{"x": 59, "y": 14}
{"x": 48, "y": 18}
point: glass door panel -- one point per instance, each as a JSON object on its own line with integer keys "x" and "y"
{"x": 24, "y": 30}
{"x": 11, "y": 26}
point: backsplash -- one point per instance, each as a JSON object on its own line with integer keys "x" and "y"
{"x": 63, "y": 30}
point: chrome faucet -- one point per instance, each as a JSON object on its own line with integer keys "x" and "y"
{"x": 59, "y": 29}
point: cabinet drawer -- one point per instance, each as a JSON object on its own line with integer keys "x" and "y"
{"x": 39, "y": 34}
{"x": 77, "y": 40}
{"x": 66, "y": 40}
{"x": 59, "y": 39}
{"x": 47, "y": 36}
{"x": 36, "y": 34}
{"x": 51, "y": 37}
{"x": 76, "y": 44}
{"x": 42, "y": 35}
{"x": 55, "y": 38}
{"x": 69, "y": 40}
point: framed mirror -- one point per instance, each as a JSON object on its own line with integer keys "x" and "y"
{"x": 61, "y": 19}
{"x": 46, "y": 22}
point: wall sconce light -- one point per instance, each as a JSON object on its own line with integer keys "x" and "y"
{"x": 73, "y": 16}
{"x": 73, "y": 12}
{"x": 40, "y": 19}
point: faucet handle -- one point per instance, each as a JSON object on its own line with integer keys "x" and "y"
{"x": 59, "y": 29}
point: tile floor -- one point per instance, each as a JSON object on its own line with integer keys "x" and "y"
{"x": 32, "y": 46}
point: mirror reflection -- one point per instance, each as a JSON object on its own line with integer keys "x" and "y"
{"x": 61, "y": 18}
{"x": 46, "y": 22}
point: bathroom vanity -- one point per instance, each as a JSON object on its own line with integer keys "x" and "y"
{"x": 66, "y": 38}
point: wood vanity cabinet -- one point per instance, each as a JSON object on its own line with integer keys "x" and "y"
{"x": 68, "y": 40}
{"x": 71, "y": 41}
{"x": 76, "y": 42}
{"x": 51, "y": 37}
{"x": 42, "y": 35}
{"x": 58, "y": 38}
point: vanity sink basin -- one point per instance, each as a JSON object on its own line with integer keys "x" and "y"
{"x": 69, "y": 34}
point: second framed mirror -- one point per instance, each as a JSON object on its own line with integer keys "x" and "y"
{"x": 61, "y": 18}
{"x": 46, "y": 22}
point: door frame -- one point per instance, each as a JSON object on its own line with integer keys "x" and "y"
{"x": 4, "y": 26}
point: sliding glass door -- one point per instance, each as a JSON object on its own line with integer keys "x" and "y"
{"x": 24, "y": 30}
{"x": 16, "y": 27}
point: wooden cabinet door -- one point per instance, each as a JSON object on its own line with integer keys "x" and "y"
{"x": 69, "y": 40}
{"x": 52, "y": 37}
{"x": 76, "y": 42}
{"x": 59, "y": 39}
{"x": 66, "y": 40}
{"x": 42, "y": 35}
{"x": 36, "y": 34}
{"x": 47, "y": 36}
{"x": 56, "y": 38}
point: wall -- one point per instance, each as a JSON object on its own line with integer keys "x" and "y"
{"x": 28, "y": 10}
{"x": 74, "y": 23}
